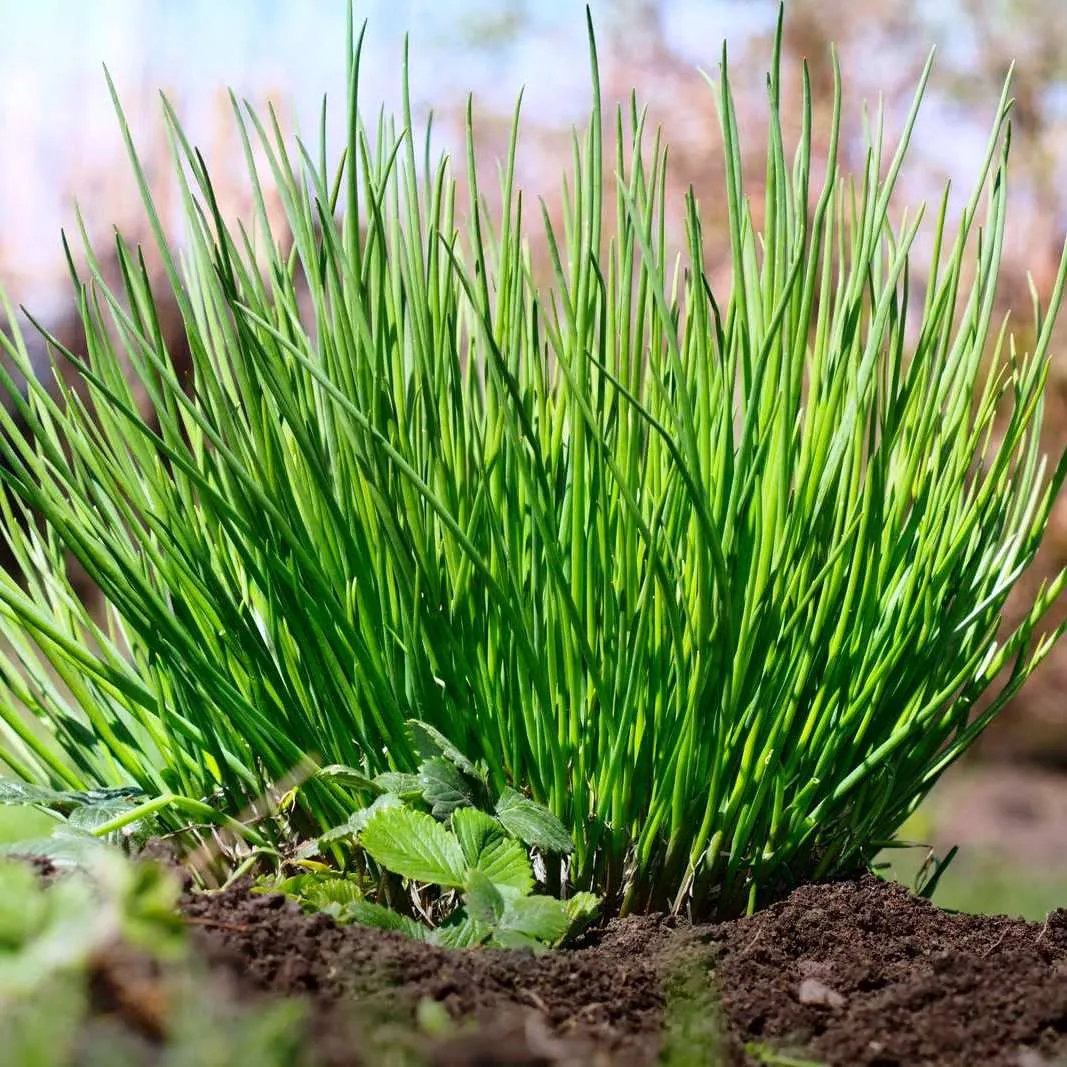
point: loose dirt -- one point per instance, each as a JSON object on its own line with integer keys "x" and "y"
{"x": 850, "y": 973}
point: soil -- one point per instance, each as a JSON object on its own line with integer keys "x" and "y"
{"x": 849, "y": 973}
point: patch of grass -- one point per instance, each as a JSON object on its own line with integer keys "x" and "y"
{"x": 693, "y": 1030}
{"x": 982, "y": 883}
{"x": 716, "y": 578}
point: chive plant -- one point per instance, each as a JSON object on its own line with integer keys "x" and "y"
{"x": 717, "y": 577}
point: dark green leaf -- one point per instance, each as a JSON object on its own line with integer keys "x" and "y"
{"x": 444, "y": 787}
{"x": 430, "y": 742}
{"x": 532, "y": 823}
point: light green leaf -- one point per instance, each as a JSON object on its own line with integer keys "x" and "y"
{"x": 484, "y": 901}
{"x": 581, "y": 909}
{"x": 148, "y": 908}
{"x": 461, "y": 931}
{"x": 25, "y": 822}
{"x": 404, "y": 786}
{"x": 358, "y": 819}
{"x": 415, "y": 846}
{"x": 22, "y": 904}
{"x": 444, "y": 787}
{"x": 366, "y": 913}
{"x": 533, "y": 823}
{"x": 540, "y": 918}
{"x": 13, "y": 791}
{"x": 486, "y": 846}
{"x": 64, "y": 847}
{"x": 504, "y": 938}
{"x": 476, "y": 831}
{"x": 507, "y": 865}
{"x": 319, "y": 890}
{"x": 90, "y": 816}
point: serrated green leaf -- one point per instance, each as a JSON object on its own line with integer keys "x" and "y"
{"x": 415, "y": 846}
{"x": 506, "y": 864}
{"x": 318, "y": 890}
{"x": 430, "y": 742}
{"x": 13, "y": 791}
{"x": 484, "y": 901}
{"x": 533, "y": 823}
{"x": 486, "y": 846}
{"x": 476, "y": 830}
{"x": 444, "y": 787}
{"x": 366, "y": 913}
{"x": 16, "y": 792}
{"x": 90, "y": 816}
{"x": 65, "y": 848}
{"x": 580, "y": 909}
{"x": 404, "y": 786}
{"x": 461, "y": 931}
{"x": 540, "y": 918}
{"x": 358, "y": 819}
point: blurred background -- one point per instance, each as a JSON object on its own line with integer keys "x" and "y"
{"x": 61, "y": 145}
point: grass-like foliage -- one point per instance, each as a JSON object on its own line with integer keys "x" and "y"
{"x": 717, "y": 578}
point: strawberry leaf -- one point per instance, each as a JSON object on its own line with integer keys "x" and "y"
{"x": 430, "y": 742}
{"x": 415, "y": 846}
{"x": 484, "y": 901}
{"x": 533, "y": 823}
{"x": 444, "y": 787}
{"x": 539, "y": 918}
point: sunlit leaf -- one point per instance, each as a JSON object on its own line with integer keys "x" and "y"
{"x": 414, "y": 845}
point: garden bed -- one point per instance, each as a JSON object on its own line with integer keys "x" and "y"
{"x": 858, "y": 972}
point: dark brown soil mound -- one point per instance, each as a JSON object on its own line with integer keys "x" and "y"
{"x": 850, "y": 973}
